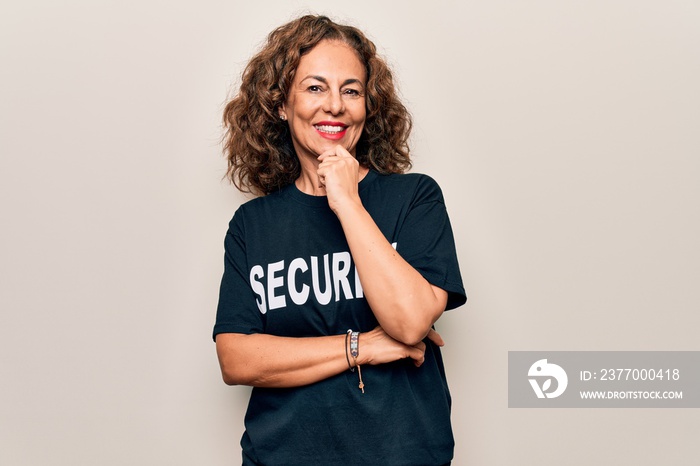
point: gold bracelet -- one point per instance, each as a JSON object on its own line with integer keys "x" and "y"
{"x": 355, "y": 352}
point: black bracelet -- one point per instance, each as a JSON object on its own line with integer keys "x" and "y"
{"x": 347, "y": 358}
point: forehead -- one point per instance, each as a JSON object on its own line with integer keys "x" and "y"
{"x": 331, "y": 59}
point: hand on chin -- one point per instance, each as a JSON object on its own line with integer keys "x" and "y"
{"x": 339, "y": 173}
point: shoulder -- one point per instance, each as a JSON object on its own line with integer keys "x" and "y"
{"x": 420, "y": 187}
{"x": 259, "y": 207}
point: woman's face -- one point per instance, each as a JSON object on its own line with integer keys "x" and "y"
{"x": 326, "y": 102}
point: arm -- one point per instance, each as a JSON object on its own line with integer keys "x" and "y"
{"x": 405, "y": 304}
{"x": 263, "y": 360}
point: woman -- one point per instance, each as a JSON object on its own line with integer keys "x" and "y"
{"x": 335, "y": 275}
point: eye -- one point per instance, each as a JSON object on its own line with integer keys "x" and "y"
{"x": 353, "y": 92}
{"x": 314, "y": 88}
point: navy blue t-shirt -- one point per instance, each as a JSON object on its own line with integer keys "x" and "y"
{"x": 288, "y": 271}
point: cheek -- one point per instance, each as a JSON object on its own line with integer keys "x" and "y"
{"x": 363, "y": 109}
{"x": 307, "y": 106}
{"x": 297, "y": 108}
{"x": 360, "y": 114}
{"x": 362, "y": 124}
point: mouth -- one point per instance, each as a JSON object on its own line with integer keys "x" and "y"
{"x": 331, "y": 129}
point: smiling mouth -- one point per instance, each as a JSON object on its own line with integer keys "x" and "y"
{"x": 330, "y": 129}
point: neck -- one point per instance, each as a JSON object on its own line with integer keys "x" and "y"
{"x": 308, "y": 183}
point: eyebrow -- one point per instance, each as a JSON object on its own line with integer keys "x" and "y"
{"x": 325, "y": 81}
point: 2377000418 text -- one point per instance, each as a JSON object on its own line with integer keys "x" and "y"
{"x": 631, "y": 374}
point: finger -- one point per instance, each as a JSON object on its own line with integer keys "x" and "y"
{"x": 337, "y": 151}
{"x": 341, "y": 151}
{"x": 418, "y": 355}
{"x": 329, "y": 153}
{"x": 435, "y": 338}
{"x": 321, "y": 178}
{"x": 420, "y": 345}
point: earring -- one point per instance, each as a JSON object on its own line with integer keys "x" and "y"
{"x": 283, "y": 118}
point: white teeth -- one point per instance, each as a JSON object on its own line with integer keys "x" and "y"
{"x": 329, "y": 129}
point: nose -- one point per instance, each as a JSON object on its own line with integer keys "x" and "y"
{"x": 334, "y": 103}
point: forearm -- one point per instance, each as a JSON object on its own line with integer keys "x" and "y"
{"x": 405, "y": 304}
{"x": 403, "y": 301}
{"x": 263, "y": 360}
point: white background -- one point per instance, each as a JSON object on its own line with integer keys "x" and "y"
{"x": 565, "y": 135}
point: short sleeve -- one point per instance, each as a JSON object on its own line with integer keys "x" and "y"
{"x": 237, "y": 311}
{"x": 425, "y": 240}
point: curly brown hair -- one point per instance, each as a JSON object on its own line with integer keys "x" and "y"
{"x": 258, "y": 145}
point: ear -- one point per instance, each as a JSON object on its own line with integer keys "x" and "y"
{"x": 282, "y": 113}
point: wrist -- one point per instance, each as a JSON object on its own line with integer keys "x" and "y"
{"x": 351, "y": 364}
{"x": 348, "y": 209}
{"x": 355, "y": 353}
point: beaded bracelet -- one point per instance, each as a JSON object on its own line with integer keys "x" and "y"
{"x": 355, "y": 352}
{"x": 347, "y": 334}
